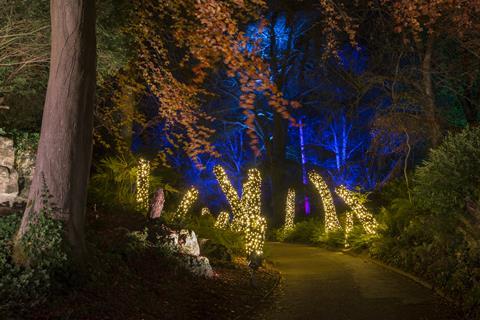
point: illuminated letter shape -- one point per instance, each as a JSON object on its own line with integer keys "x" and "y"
{"x": 188, "y": 199}
{"x": 290, "y": 210}
{"x": 352, "y": 200}
{"x": 143, "y": 184}
{"x": 331, "y": 219}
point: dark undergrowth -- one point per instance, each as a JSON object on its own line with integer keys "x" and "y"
{"x": 128, "y": 277}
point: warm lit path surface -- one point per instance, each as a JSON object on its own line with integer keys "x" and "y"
{"x": 327, "y": 285}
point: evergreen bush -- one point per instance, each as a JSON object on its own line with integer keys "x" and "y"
{"x": 451, "y": 174}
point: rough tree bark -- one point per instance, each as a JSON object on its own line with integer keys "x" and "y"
{"x": 157, "y": 204}
{"x": 65, "y": 147}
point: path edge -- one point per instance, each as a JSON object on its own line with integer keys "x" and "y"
{"x": 408, "y": 275}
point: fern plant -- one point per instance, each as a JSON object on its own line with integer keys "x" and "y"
{"x": 114, "y": 182}
{"x": 113, "y": 185}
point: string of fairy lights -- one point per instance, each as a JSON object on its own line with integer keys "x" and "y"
{"x": 349, "y": 222}
{"x": 205, "y": 212}
{"x": 231, "y": 195}
{"x": 188, "y": 199}
{"x": 252, "y": 222}
{"x": 247, "y": 217}
{"x": 251, "y": 197}
{"x": 143, "y": 184}
{"x": 348, "y": 225}
{"x": 331, "y": 219}
{"x": 255, "y": 235}
{"x": 353, "y": 201}
{"x": 290, "y": 210}
{"x": 223, "y": 219}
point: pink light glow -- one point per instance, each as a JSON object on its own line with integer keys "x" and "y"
{"x": 304, "y": 170}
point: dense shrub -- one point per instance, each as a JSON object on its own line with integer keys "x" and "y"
{"x": 451, "y": 174}
{"x": 358, "y": 240}
{"x": 432, "y": 246}
{"x": 434, "y": 235}
{"x": 307, "y": 231}
{"x": 312, "y": 231}
{"x": 44, "y": 260}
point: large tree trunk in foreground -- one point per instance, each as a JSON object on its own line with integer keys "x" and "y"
{"x": 65, "y": 148}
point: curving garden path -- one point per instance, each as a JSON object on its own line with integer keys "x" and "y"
{"x": 327, "y": 285}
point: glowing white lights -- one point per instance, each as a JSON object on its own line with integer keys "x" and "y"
{"x": 143, "y": 184}
{"x": 353, "y": 200}
{"x": 255, "y": 235}
{"x": 252, "y": 222}
{"x": 348, "y": 225}
{"x": 348, "y": 222}
{"x": 223, "y": 219}
{"x": 251, "y": 198}
{"x": 205, "y": 212}
{"x": 188, "y": 199}
{"x": 331, "y": 219}
{"x": 290, "y": 210}
{"x": 247, "y": 216}
{"x": 231, "y": 195}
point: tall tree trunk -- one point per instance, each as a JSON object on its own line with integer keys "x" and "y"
{"x": 430, "y": 109}
{"x": 65, "y": 147}
{"x": 279, "y": 145}
{"x": 280, "y": 125}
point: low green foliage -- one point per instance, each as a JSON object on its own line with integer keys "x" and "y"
{"x": 358, "y": 240}
{"x": 434, "y": 247}
{"x": 8, "y": 227}
{"x": 279, "y": 234}
{"x": 333, "y": 239}
{"x": 312, "y": 231}
{"x": 45, "y": 260}
{"x": 307, "y": 231}
{"x": 113, "y": 184}
{"x": 204, "y": 228}
{"x": 43, "y": 243}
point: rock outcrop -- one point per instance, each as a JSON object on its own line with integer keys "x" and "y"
{"x": 8, "y": 175}
{"x": 184, "y": 245}
{"x": 25, "y": 164}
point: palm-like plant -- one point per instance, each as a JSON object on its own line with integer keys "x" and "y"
{"x": 114, "y": 182}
